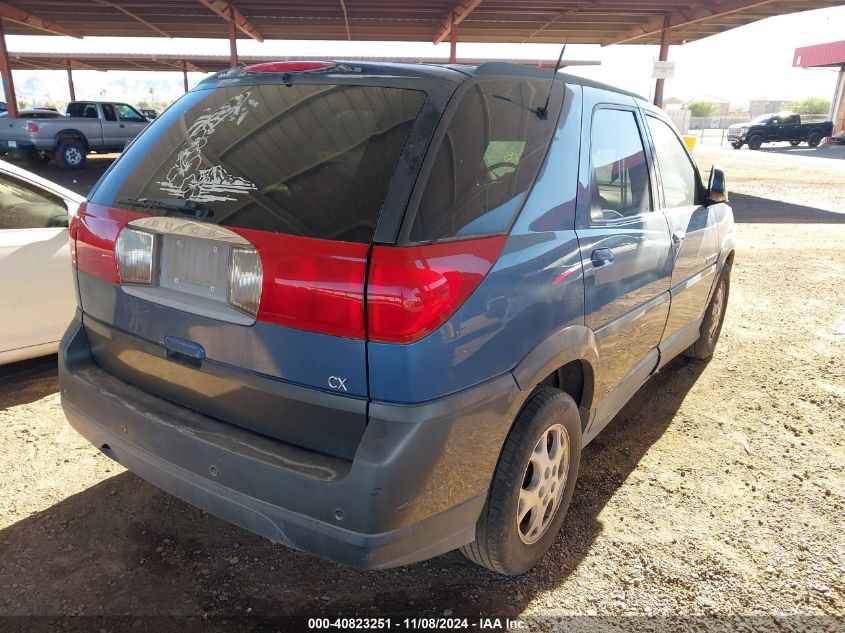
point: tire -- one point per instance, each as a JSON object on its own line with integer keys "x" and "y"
{"x": 36, "y": 158}
{"x": 755, "y": 142}
{"x": 814, "y": 139}
{"x": 736, "y": 145}
{"x": 501, "y": 543}
{"x": 795, "y": 143}
{"x": 71, "y": 155}
{"x": 714, "y": 317}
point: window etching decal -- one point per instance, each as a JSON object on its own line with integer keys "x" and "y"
{"x": 186, "y": 179}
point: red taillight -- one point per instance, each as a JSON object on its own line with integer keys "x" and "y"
{"x": 73, "y": 231}
{"x": 318, "y": 285}
{"x": 32, "y": 127}
{"x": 97, "y": 228}
{"x": 289, "y": 67}
{"x": 311, "y": 284}
{"x": 413, "y": 290}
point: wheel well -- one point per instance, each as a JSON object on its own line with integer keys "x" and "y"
{"x": 72, "y": 136}
{"x": 574, "y": 378}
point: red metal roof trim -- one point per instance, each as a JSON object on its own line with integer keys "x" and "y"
{"x": 830, "y": 54}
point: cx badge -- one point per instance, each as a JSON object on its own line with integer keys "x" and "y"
{"x": 338, "y": 384}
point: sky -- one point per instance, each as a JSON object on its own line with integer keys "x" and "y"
{"x": 750, "y": 62}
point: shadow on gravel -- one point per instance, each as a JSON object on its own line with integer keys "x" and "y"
{"x": 28, "y": 381}
{"x": 830, "y": 150}
{"x": 753, "y": 209}
{"x": 124, "y": 547}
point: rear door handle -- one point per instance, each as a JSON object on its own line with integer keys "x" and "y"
{"x": 602, "y": 257}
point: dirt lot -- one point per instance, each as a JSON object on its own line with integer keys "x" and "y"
{"x": 719, "y": 490}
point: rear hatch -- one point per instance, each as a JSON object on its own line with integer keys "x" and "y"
{"x": 222, "y": 259}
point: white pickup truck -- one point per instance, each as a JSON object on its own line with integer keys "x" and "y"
{"x": 89, "y": 126}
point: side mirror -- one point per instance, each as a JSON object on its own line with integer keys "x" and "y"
{"x": 717, "y": 189}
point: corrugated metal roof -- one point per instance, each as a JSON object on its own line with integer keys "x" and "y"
{"x": 550, "y": 21}
{"x": 830, "y": 54}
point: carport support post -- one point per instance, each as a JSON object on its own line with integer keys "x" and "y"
{"x": 453, "y": 40}
{"x": 185, "y": 74}
{"x": 664, "y": 55}
{"x": 70, "y": 81}
{"x": 6, "y": 72}
{"x": 233, "y": 39}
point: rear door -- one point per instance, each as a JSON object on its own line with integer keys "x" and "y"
{"x": 789, "y": 127}
{"x": 693, "y": 227}
{"x": 112, "y": 127}
{"x": 36, "y": 290}
{"x": 132, "y": 123}
{"x": 625, "y": 245}
{"x": 253, "y": 311}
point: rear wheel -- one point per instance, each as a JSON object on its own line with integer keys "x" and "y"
{"x": 795, "y": 142}
{"x": 814, "y": 139}
{"x": 71, "y": 155}
{"x": 532, "y": 485}
{"x": 711, "y": 326}
{"x": 755, "y": 142}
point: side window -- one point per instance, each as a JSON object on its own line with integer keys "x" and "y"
{"x": 492, "y": 150}
{"x": 128, "y": 113}
{"x": 677, "y": 173}
{"x": 23, "y": 206}
{"x": 82, "y": 109}
{"x": 620, "y": 182}
{"x": 109, "y": 113}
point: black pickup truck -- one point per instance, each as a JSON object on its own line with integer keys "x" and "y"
{"x": 771, "y": 128}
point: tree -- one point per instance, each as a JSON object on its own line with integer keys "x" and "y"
{"x": 810, "y": 105}
{"x": 701, "y": 108}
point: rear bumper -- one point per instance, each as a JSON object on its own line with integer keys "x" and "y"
{"x": 10, "y": 146}
{"x": 414, "y": 490}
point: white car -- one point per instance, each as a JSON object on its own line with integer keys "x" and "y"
{"x": 37, "y": 296}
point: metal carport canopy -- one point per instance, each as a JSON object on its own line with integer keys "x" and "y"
{"x": 540, "y": 21}
{"x": 519, "y": 21}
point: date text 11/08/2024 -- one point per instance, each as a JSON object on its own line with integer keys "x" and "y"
{"x": 431, "y": 623}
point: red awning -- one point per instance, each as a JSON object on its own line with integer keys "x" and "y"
{"x": 830, "y": 54}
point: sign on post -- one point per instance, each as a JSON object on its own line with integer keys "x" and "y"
{"x": 663, "y": 70}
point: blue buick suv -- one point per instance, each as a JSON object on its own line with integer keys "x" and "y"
{"x": 375, "y": 311}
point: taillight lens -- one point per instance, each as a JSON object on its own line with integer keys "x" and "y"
{"x": 73, "y": 232}
{"x": 32, "y": 127}
{"x": 305, "y": 283}
{"x": 134, "y": 252}
{"x": 312, "y": 284}
{"x": 245, "y": 280}
{"x": 413, "y": 290}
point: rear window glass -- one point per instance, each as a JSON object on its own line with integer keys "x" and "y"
{"x": 492, "y": 149}
{"x": 308, "y": 160}
{"x": 85, "y": 110}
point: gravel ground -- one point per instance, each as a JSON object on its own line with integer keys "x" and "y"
{"x": 718, "y": 491}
